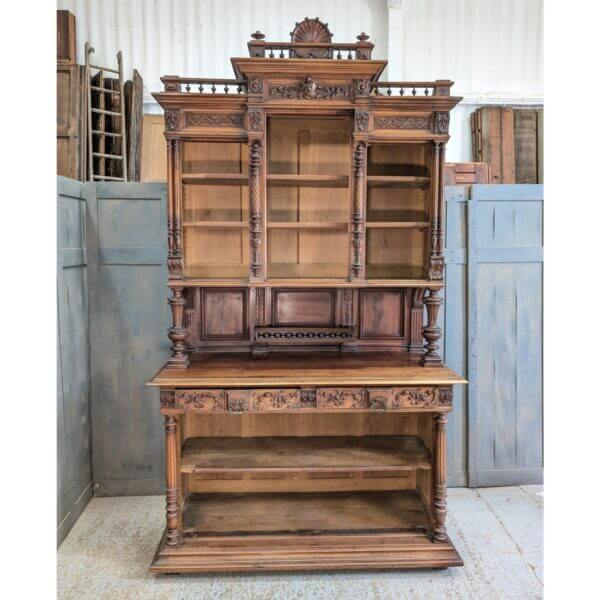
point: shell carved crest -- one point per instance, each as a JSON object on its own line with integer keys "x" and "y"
{"x": 311, "y": 30}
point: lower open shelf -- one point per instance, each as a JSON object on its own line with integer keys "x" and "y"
{"x": 301, "y": 513}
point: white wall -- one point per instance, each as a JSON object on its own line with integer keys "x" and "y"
{"x": 492, "y": 49}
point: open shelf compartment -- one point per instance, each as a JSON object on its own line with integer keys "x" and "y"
{"x": 297, "y": 513}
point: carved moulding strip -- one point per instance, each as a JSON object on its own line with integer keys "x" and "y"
{"x": 303, "y": 335}
{"x": 197, "y": 119}
{"x": 308, "y": 89}
{"x": 402, "y": 123}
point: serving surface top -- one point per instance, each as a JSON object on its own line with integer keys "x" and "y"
{"x": 318, "y": 368}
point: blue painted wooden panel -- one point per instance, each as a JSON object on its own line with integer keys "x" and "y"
{"x": 74, "y": 477}
{"x": 128, "y": 295}
{"x": 502, "y": 250}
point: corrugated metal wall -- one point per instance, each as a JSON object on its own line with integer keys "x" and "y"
{"x": 491, "y": 48}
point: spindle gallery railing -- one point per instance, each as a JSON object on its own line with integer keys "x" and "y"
{"x": 411, "y": 88}
{"x": 204, "y": 85}
{"x": 310, "y": 49}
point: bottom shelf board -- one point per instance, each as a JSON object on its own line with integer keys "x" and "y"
{"x": 335, "y": 454}
{"x": 268, "y": 553}
{"x": 302, "y": 513}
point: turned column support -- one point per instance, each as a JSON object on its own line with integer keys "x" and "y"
{"x": 256, "y": 218}
{"x": 174, "y": 209}
{"x": 177, "y": 332}
{"x": 440, "y": 483}
{"x": 431, "y": 332}
{"x": 173, "y": 507}
{"x": 358, "y": 210}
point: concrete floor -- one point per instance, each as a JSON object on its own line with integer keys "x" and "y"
{"x": 497, "y": 531}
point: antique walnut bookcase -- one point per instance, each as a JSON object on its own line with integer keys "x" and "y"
{"x": 305, "y": 417}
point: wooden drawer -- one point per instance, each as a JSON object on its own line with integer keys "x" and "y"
{"x": 201, "y": 400}
{"x": 341, "y": 398}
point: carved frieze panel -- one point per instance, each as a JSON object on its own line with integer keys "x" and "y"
{"x": 340, "y": 398}
{"x": 418, "y": 397}
{"x": 198, "y": 119}
{"x": 308, "y": 89}
{"x": 203, "y": 400}
{"x": 275, "y": 400}
{"x": 303, "y": 335}
{"x": 398, "y": 122}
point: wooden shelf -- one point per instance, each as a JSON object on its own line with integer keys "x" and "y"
{"x": 216, "y": 271}
{"x": 394, "y": 271}
{"x": 321, "y": 455}
{"x": 309, "y": 180}
{"x": 215, "y": 179}
{"x": 406, "y": 181}
{"x": 217, "y": 224}
{"x": 307, "y": 225}
{"x": 397, "y": 224}
{"x": 281, "y": 513}
{"x": 312, "y": 270}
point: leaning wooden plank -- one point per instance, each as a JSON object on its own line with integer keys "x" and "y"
{"x": 525, "y": 146}
{"x": 154, "y": 149}
{"x": 134, "y": 102}
{"x": 540, "y": 145}
{"x": 507, "y": 146}
{"x": 66, "y": 47}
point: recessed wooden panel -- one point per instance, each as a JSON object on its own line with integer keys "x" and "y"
{"x": 382, "y": 314}
{"x": 224, "y": 314}
{"x": 303, "y": 307}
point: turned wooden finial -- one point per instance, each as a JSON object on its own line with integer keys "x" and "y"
{"x": 257, "y": 35}
{"x": 362, "y": 37}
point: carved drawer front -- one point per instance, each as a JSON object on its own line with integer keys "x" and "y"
{"x": 239, "y": 401}
{"x": 341, "y": 398}
{"x": 378, "y": 399}
{"x": 275, "y": 400}
{"x": 414, "y": 397}
{"x": 200, "y": 400}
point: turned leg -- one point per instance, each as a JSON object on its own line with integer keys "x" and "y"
{"x": 431, "y": 332}
{"x": 440, "y": 485}
{"x": 177, "y": 333}
{"x": 172, "y": 470}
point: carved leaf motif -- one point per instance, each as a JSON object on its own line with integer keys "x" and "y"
{"x": 202, "y": 400}
{"x": 361, "y": 120}
{"x": 167, "y": 399}
{"x": 445, "y": 396}
{"x": 308, "y": 89}
{"x": 172, "y": 119}
{"x": 255, "y": 119}
{"x": 342, "y": 398}
{"x": 442, "y": 121}
{"x": 277, "y": 400}
{"x": 415, "y": 397}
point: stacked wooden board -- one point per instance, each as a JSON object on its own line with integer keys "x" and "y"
{"x": 510, "y": 141}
